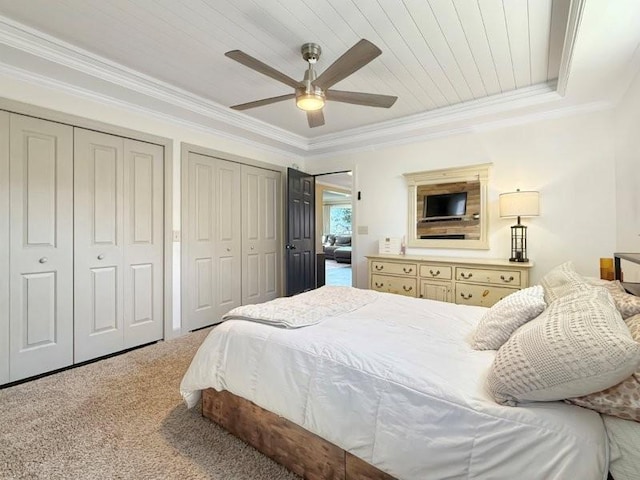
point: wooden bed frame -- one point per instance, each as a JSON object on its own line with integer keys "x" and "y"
{"x": 299, "y": 450}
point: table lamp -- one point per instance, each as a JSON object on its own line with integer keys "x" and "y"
{"x": 519, "y": 204}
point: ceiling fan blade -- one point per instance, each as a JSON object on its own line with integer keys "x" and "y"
{"x": 264, "y": 101}
{"x": 352, "y": 60}
{"x": 359, "y": 98}
{"x": 315, "y": 118}
{"x": 258, "y": 66}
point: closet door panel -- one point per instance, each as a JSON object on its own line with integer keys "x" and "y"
{"x": 199, "y": 243}
{"x": 41, "y": 246}
{"x": 228, "y": 236}
{"x": 4, "y": 252}
{"x": 143, "y": 243}
{"x": 98, "y": 234}
{"x": 270, "y": 226}
{"x": 252, "y": 263}
{"x": 261, "y": 234}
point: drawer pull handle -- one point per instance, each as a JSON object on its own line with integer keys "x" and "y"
{"x": 404, "y": 287}
{"x": 506, "y": 280}
{"x": 379, "y": 285}
{"x": 405, "y": 270}
{"x": 379, "y": 267}
{"x": 467, "y": 276}
{"x": 485, "y": 293}
{"x": 434, "y": 274}
{"x": 466, "y": 297}
{"x": 43, "y": 260}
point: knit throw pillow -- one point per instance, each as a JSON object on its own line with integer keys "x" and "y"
{"x": 578, "y": 345}
{"x": 506, "y": 316}
{"x": 561, "y": 281}
{"x": 623, "y": 399}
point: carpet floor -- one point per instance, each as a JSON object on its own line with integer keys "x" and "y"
{"x": 121, "y": 418}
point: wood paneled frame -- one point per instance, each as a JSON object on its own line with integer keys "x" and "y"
{"x": 476, "y": 176}
{"x": 299, "y": 450}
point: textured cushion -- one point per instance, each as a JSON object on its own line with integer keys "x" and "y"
{"x": 578, "y": 345}
{"x": 628, "y": 305}
{"x": 504, "y": 318}
{"x": 623, "y": 399}
{"x": 560, "y": 281}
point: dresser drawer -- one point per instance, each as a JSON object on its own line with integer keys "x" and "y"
{"x": 496, "y": 277}
{"x": 391, "y": 268}
{"x": 403, "y": 286}
{"x": 480, "y": 295}
{"x": 438, "y": 272}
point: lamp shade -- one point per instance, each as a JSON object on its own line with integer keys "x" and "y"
{"x": 520, "y": 204}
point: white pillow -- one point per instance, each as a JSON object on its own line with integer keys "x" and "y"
{"x": 578, "y": 345}
{"x": 506, "y": 316}
{"x": 561, "y": 280}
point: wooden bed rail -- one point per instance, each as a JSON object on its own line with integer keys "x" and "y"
{"x": 299, "y": 450}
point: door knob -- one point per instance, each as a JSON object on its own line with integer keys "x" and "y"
{"x": 43, "y": 260}
{"x": 252, "y": 247}
{"x": 100, "y": 257}
{"x": 288, "y": 246}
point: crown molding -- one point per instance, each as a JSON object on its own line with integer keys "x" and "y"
{"x": 476, "y": 127}
{"x": 47, "y": 82}
{"x": 39, "y": 44}
{"x": 243, "y": 128}
{"x": 571, "y": 34}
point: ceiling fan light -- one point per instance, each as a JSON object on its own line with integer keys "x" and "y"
{"x": 309, "y": 102}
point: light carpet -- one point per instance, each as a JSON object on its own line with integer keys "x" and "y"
{"x": 122, "y": 418}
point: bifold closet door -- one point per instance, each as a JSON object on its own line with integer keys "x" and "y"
{"x": 4, "y": 252}
{"x": 261, "y": 246}
{"x": 212, "y": 242}
{"x": 118, "y": 222}
{"x": 41, "y": 246}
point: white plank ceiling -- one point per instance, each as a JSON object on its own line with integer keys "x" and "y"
{"x": 436, "y": 53}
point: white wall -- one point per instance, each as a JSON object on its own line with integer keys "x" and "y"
{"x": 121, "y": 116}
{"x": 627, "y": 147}
{"x": 569, "y": 160}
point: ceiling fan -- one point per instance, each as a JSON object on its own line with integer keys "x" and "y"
{"x": 312, "y": 92}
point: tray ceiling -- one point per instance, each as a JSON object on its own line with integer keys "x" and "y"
{"x": 436, "y": 53}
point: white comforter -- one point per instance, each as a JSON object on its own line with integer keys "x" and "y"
{"x": 396, "y": 383}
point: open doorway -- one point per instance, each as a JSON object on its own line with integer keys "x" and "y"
{"x": 334, "y": 226}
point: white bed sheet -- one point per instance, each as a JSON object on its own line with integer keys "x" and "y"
{"x": 397, "y": 384}
{"x": 624, "y": 441}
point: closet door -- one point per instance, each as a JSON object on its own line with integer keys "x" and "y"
{"x": 41, "y": 246}
{"x": 261, "y": 222}
{"x": 228, "y": 239}
{"x": 4, "y": 250}
{"x": 212, "y": 242}
{"x": 118, "y": 244}
{"x": 143, "y": 243}
{"x": 99, "y": 240}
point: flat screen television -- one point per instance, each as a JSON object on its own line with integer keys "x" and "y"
{"x": 445, "y": 205}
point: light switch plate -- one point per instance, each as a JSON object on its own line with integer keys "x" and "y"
{"x": 176, "y": 235}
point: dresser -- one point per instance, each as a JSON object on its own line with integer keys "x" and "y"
{"x": 468, "y": 281}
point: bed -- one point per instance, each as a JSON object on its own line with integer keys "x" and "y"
{"x": 392, "y": 384}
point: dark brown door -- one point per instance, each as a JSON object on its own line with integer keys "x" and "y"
{"x": 300, "y": 246}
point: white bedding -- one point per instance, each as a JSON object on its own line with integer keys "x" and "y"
{"x": 396, "y": 383}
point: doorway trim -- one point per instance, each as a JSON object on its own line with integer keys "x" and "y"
{"x": 354, "y": 241}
